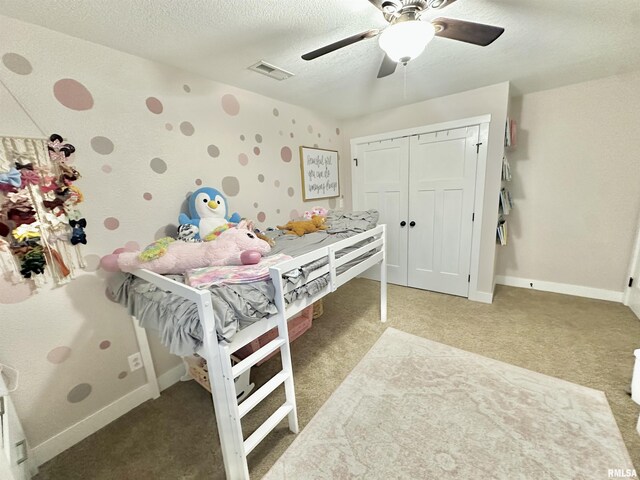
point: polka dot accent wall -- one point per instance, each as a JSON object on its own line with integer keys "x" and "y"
{"x": 144, "y": 139}
{"x": 230, "y": 105}
{"x": 102, "y": 145}
{"x": 111, "y": 223}
{"x": 73, "y": 94}
{"x": 58, "y": 355}
{"x": 286, "y": 154}
{"x": 187, "y": 128}
{"x": 158, "y": 165}
{"x": 79, "y": 393}
{"x": 213, "y": 151}
{"x": 17, "y": 63}
{"x": 154, "y": 105}
{"x": 231, "y": 186}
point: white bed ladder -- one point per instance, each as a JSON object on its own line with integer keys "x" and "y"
{"x": 222, "y": 374}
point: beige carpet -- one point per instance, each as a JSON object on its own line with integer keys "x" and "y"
{"x": 413, "y": 408}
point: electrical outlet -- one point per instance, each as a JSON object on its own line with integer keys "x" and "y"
{"x": 135, "y": 361}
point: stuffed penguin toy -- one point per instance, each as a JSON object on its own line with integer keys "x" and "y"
{"x": 207, "y": 211}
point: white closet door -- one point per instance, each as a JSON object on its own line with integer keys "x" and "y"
{"x": 380, "y": 181}
{"x": 442, "y": 173}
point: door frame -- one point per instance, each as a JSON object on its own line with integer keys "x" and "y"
{"x": 633, "y": 266}
{"x": 483, "y": 121}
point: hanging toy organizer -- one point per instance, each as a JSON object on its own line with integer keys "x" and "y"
{"x": 41, "y": 227}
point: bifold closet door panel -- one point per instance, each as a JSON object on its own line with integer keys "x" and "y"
{"x": 442, "y": 174}
{"x": 380, "y": 181}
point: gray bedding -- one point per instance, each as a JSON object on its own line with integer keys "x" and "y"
{"x": 235, "y": 306}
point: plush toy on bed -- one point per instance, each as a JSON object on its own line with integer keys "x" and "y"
{"x": 235, "y": 246}
{"x": 208, "y": 210}
{"x": 319, "y": 211}
{"x": 304, "y": 226}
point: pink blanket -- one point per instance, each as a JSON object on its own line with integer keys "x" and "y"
{"x": 208, "y": 276}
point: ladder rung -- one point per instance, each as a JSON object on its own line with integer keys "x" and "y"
{"x": 262, "y": 393}
{"x": 256, "y": 356}
{"x": 263, "y": 430}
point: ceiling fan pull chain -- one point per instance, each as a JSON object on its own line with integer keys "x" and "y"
{"x": 404, "y": 89}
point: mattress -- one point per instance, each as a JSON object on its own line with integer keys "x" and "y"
{"x": 235, "y": 306}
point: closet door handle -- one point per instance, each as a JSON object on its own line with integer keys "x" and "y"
{"x": 403, "y": 223}
{"x": 412, "y": 223}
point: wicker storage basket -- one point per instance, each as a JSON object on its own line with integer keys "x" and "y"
{"x": 318, "y": 309}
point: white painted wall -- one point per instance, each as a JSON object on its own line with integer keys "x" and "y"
{"x": 492, "y": 100}
{"x": 576, "y": 185}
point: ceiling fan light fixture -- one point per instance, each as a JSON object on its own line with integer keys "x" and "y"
{"x": 404, "y": 41}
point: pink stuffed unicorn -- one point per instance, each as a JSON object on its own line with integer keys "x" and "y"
{"x": 235, "y": 246}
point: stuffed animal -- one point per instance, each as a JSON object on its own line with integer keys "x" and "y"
{"x": 207, "y": 211}
{"x": 188, "y": 233}
{"x": 304, "y": 226}
{"x": 319, "y": 211}
{"x": 235, "y": 246}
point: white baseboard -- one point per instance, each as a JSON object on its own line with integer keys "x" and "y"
{"x": 482, "y": 297}
{"x": 565, "y": 288}
{"x": 171, "y": 377}
{"x": 91, "y": 424}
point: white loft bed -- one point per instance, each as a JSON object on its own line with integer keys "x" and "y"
{"x": 222, "y": 372}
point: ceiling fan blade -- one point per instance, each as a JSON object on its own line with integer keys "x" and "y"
{"x": 469, "y": 32}
{"x": 339, "y": 44}
{"x": 387, "y": 68}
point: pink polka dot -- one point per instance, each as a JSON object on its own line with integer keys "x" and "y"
{"x": 107, "y": 168}
{"x": 10, "y": 293}
{"x": 262, "y": 216}
{"x": 168, "y": 126}
{"x": 230, "y": 104}
{"x": 132, "y": 246}
{"x": 72, "y": 94}
{"x": 198, "y": 181}
{"x": 243, "y": 159}
{"x": 105, "y": 344}
{"x": 147, "y": 196}
{"x": 256, "y": 150}
{"x": 154, "y": 105}
{"x": 286, "y": 154}
{"x": 59, "y": 355}
{"x": 111, "y": 223}
{"x": 294, "y": 214}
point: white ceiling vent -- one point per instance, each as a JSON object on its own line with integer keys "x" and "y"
{"x": 270, "y": 70}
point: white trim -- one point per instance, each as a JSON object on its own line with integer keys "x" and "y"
{"x": 565, "y": 288}
{"x": 482, "y": 297}
{"x": 171, "y": 377}
{"x": 635, "y": 258}
{"x": 89, "y": 425}
{"x": 436, "y": 127}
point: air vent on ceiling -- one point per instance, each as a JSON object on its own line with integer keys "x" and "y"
{"x": 270, "y": 70}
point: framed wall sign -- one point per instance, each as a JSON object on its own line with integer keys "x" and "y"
{"x": 319, "y": 170}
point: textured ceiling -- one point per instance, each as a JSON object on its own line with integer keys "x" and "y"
{"x": 547, "y": 43}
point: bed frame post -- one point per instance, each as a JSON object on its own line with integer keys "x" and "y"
{"x": 383, "y": 277}
{"x": 147, "y": 359}
{"x": 223, "y": 393}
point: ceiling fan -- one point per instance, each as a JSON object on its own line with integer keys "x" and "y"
{"x": 409, "y": 33}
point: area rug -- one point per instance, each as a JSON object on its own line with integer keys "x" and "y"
{"x": 417, "y": 409}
